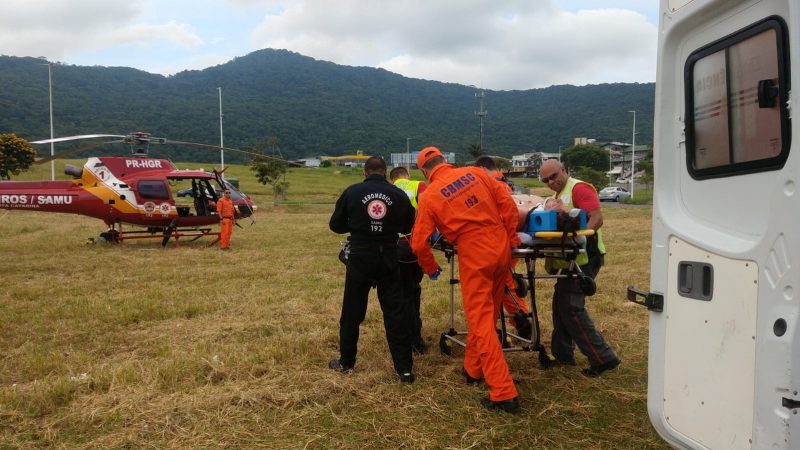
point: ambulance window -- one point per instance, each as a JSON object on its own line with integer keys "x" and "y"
{"x": 736, "y": 94}
{"x": 153, "y": 189}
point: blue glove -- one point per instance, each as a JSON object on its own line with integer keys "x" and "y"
{"x": 435, "y": 275}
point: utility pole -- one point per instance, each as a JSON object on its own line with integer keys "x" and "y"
{"x": 408, "y": 154}
{"x": 481, "y": 114}
{"x": 221, "y": 141}
{"x": 52, "y": 144}
{"x": 633, "y": 151}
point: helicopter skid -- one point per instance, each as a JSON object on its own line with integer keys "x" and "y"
{"x": 192, "y": 234}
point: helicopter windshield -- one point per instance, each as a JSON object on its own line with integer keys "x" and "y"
{"x": 236, "y": 194}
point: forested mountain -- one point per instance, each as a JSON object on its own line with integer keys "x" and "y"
{"x": 312, "y": 107}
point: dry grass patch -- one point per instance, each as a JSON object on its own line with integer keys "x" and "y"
{"x": 138, "y": 346}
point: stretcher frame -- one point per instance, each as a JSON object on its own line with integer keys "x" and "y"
{"x": 549, "y": 244}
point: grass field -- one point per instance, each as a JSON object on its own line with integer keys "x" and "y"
{"x": 142, "y": 347}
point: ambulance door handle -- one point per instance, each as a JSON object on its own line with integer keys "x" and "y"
{"x": 767, "y": 91}
{"x": 696, "y": 280}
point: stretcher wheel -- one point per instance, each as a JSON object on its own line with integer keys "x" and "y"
{"x": 587, "y": 284}
{"x": 521, "y": 288}
{"x": 445, "y": 346}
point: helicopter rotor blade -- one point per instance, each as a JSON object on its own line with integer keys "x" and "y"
{"x": 227, "y": 149}
{"x": 72, "y": 151}
{"x": 73, "y": 138}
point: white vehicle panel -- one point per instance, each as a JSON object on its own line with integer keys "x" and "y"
{"x": 710, "y": 346}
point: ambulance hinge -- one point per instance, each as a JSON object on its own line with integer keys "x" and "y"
{"x": 652, "y": 301}
{"x": 790, "y": 403}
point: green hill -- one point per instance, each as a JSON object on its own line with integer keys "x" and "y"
{"x": 312, "y": 107}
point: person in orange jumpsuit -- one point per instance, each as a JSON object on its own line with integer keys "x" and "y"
{"x": 227, "y": 215}
{"x": 478, "y": 215}
{"x": 512, "y": 303}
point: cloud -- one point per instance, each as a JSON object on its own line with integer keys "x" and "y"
{"x": 56, "y": 29}
{"x": 509, "y": 44}
{"x": 515, "y": 44}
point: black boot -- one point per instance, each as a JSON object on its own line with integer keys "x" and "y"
{"x": 595, "y": 371}
{"x": 470, "y": 381}
{"x": 510, "y": 406}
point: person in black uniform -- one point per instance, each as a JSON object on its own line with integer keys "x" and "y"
{"x": 374, "y": 212}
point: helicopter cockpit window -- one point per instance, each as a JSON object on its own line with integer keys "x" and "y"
{"x": 153, "y": 189}
{"x": 236, "y": 194}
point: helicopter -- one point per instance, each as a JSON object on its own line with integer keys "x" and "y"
{"x": 131, "y": 190}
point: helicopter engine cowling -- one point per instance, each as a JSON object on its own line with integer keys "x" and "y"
{"x": 74, "y": 172}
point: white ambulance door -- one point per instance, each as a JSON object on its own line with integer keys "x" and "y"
{"x": 726, "y": 238}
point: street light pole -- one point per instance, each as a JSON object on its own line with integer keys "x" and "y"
{"x": 52, "y": 144}
{"x": 481, "y": 114}
{"x": 221, "y": 141}
{"x": 408, "y": 154}
{"x": 633, "y": 152}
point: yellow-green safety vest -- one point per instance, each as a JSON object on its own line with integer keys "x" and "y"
{"x": 583, "y": 258}
{"x": 411, "y": 189}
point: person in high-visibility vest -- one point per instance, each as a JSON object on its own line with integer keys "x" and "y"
{"x": 410, "y": 273}
{"x": 571, "y": 322}
{"x": 512, "y": 303}
{"x": 227, "y": 217}
{"x": 473, "y": 212}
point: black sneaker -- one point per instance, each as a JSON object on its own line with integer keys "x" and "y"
{"x": 509, "y": 406}
{"x": 470, "y": 381}
{"x": 595, "y": 371}
{"x": 337, "y": 365}
{"x": 555, "y": 362}
{"x": 407, "y": 377}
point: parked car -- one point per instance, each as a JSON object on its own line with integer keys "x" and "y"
{"x": 623, "y": 181}
{"x": 614, "y": 194}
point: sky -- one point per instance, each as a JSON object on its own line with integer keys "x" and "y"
{"x": 490, "y": 44}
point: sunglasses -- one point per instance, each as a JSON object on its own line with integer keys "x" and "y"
{"x": 550, "y": 178}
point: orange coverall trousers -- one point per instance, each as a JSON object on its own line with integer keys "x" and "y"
{"x": 225, "y": 231}
{"x": 483, "y": 267}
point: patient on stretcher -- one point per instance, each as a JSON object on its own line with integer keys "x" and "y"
{"x": 565, "y": 219}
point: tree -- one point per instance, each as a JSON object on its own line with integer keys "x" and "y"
{"x": 475, "y": 150}
{"x": 586, "y": 155}
{"x": 646, "y": 165}
{"x": 269, "y": 171}
{"x": 16, "y": 155}
{"x": 325, "y": 163}
{"x": 596, "y": 178}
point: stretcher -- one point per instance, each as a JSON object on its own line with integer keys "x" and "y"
{"x": 543, "y": 244}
